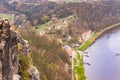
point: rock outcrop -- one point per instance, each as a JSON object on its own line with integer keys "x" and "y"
{"x": 34, "y": 73}
{"x": 8, "y": 51}
{"x": 9, "y": 57}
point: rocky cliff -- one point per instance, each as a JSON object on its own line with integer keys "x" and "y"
{"x": 9, "y": 57}
{"x": 8, "y": 51}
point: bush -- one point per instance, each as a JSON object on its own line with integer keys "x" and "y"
{"x": 23, "y": 68}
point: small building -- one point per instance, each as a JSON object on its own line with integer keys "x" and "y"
{"x": 68, "y": 49}
{"x": 69, "y": 38}
{"x": 86, "y": 34}
{"x": 80, "y": 40}
{"x": 66, "y": 67}
{"x": 20, "y": 26}
{"x": 42, "y": 32}
{"x": 57, "y": 27}
{"x": 49, "y": 28}
{"x": 69, "y": 52}
{"x": 60, "y": 41}
{"x": 54, "y": 20}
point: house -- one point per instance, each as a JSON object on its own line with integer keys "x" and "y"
{"x": 75, "y": 45}
{"x": 69, "y": 38}
{"x": 57, "y": 27}
{"x": 66, "y": 67}
{"x": 69, "y": 52}
{"x": 74, "y": 53}
{"x": 68, "y": 49}
{"x": 49, "y": 28}
{"x": 80, "y": 40}
{"x": 86, "y": 34}
{"x": 60, "y": 41}
{"x": 54, "y": 19}
{"x": 42, "y": 32}
{"x": 20, "y": 26}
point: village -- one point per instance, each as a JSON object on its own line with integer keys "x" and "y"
{"x": 71, "y": 48}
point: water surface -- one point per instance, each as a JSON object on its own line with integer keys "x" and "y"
{"x": 105, "y": 65}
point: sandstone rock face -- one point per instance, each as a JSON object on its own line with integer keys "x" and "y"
{"x": 16, "y": 77}
{"x": 9, "y": 58}
{"x": 34, "y": 73}
{"x": 25, "y": 47}
{"x": 8, "y": 51}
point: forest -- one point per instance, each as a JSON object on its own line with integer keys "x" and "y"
{"x": 48, "y": 56}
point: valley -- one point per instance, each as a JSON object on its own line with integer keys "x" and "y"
{"x": 64, "y": 35}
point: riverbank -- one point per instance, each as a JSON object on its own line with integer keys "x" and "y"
{"x": 94, "y": 36}
{"x": 79, "y": 68}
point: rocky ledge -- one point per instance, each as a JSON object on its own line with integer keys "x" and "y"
{"x": 9, "y": 58}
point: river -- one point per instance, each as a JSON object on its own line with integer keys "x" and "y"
{"x": 104, "y": 57}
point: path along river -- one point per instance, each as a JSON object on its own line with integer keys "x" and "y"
{"x": 104, "y": 57}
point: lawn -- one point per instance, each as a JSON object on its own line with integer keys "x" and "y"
{"x": 88, "y": 42}
{"x": 79, "y": 68}
{"x": 80, "y": 73}
{"x": 44, "y": 26}
{"x": 92, "y": 39}
{"x": 6, "y": 16}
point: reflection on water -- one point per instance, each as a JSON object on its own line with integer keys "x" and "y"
{"x": 105, "y": 65}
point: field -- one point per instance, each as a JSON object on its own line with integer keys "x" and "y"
{"x": 6, "y": 16}
{"x": 44, "y": 26}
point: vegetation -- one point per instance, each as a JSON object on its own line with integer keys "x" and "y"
{"x": 93, "y": 16}
{"x": 44, "y": 26}
{"x": 24, "y": 65}
{"x": 79, "y": 68}
{"x": 36, "y": 14}
{"x": 48, "y": 56}
{"x": 6, "y": 16}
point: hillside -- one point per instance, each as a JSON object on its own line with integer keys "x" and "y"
{"x": 3, "y": 9}
{"x": 49, "y": 57}
{"x": 83, "y": 18}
